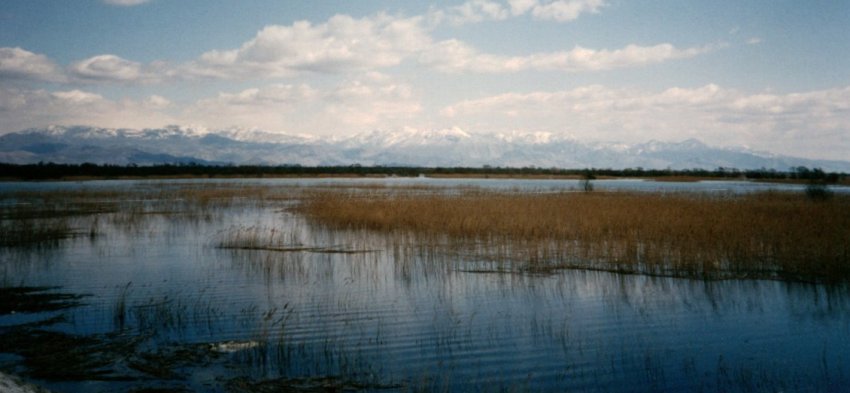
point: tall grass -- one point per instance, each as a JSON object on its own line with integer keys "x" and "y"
{"x": 773, "y": 235}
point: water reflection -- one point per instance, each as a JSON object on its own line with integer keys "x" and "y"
{"x": 359, "y": 309}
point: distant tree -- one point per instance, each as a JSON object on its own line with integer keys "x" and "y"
{"x": 586, "y": 183}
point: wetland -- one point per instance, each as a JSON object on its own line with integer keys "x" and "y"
{"x": 420, "y": 285}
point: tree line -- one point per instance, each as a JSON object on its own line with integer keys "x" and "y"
{"x": 53, "y": 171}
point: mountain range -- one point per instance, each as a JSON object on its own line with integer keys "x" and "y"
{"x": 430, "y": 148}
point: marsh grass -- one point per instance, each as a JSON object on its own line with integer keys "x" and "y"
{"x": 764, "y": 235}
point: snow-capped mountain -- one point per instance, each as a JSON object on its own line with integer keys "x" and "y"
{"x": 407, "y": 147}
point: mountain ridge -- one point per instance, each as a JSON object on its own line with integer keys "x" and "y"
{"x": 407, "y": 147}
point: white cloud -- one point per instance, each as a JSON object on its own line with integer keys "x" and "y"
{"x": 126, "y": 3}
{"x": 375, "y": 101}
{"x": 754, "y": 41}
{"x": 475, "y": 11}
{"x": 456, "y": 56}
{"x": 343, "y": 43}
{"x": 107, "y": 68}
{"x": 565, "y": 10}
{"x": 76, "y": 97}
{"x": 372, "y": 100}
{"x": 277, "y": 96}
{"x": 21, "y": 64}
{"x": 276, "y": 107}
{"x": 519, "y": 7}
{"x": 472, "y": 11}
{"x": 812, "y": 124}
{"x": 157, "y": 102}
{"x": 20, "y": 109}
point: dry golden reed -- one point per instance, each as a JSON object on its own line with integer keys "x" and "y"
{"x": 764, "y": 235}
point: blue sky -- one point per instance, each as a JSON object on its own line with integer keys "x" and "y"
{"x": 769, "y": 75}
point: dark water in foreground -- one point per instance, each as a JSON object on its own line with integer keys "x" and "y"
{"x": 355, "y": 311}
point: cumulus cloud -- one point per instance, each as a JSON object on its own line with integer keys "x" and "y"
{"x": 21, "y": 108}
{"x": 456, "y": 56}
{"x": 21, "y": 64}
{"x": 345, "y": 44}
{"x": 341, "y": 43}
{"x": 812, "y": 124}
{"x": 125, "y": 3}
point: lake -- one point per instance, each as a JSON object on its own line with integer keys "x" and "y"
{"x": 156, "y": 302}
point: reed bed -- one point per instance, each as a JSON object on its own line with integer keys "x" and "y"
{"x": 764, "y": 235}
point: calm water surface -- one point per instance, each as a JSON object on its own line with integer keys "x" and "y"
{"x": 384, "y": 317}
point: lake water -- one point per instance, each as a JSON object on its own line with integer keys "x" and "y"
{"x": 356, "y": 311}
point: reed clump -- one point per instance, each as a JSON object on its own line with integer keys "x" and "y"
{"x": 763, "y": 235}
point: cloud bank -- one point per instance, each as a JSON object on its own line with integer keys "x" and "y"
{"x": 811, "y": 123}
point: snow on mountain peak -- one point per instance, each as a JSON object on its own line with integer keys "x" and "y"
{"x": 454, "y": 134}
{"x": 408, "y": 146}
{"x": 260, "y": 136}
{"x": 410, "y": 136}
{"x": 531, "y": 138}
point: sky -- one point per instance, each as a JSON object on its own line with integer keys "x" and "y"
{"x": 769, "y": 75}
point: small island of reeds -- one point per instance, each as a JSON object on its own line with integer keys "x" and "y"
{"x": 770, "y": 235}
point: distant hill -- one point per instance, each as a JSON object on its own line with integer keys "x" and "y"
{"x": 451, "y": 147}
